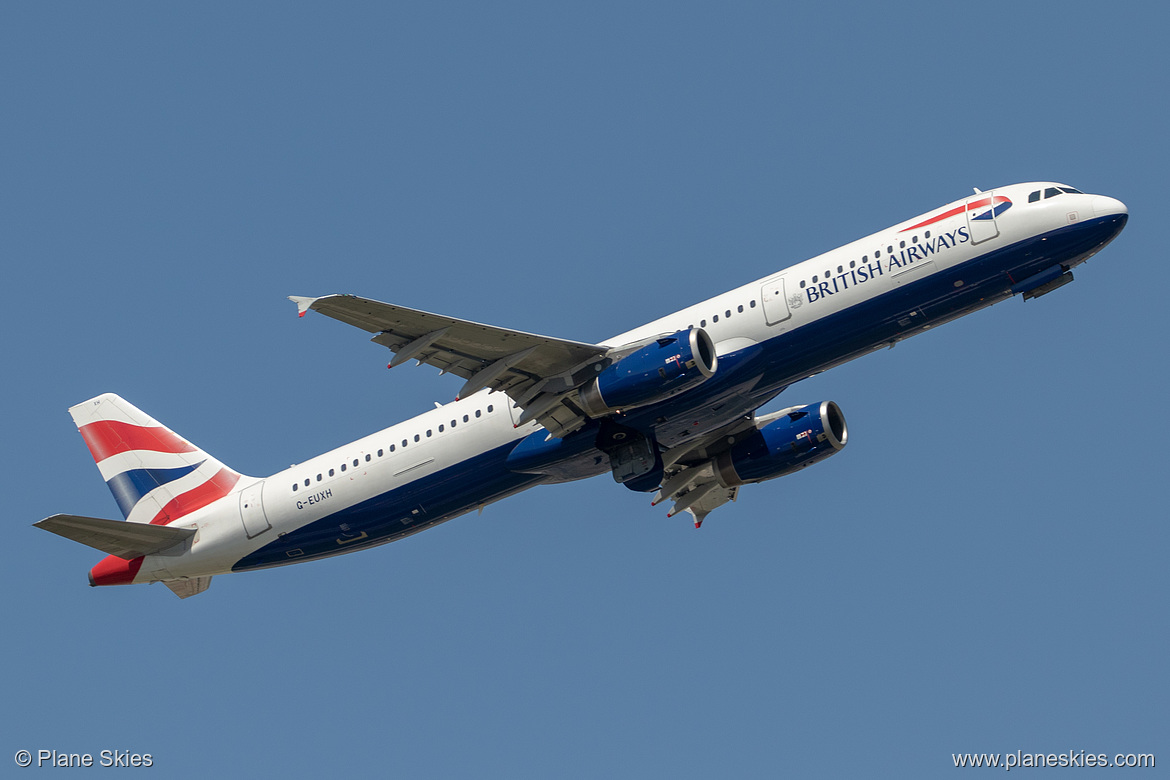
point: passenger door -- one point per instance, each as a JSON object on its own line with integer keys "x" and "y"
{"x": 981, "y": 217}
{"x": 775, "y": 303}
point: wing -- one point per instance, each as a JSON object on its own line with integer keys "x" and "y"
{"x": 537, "y": 372}
{"x": 692, "y": 478}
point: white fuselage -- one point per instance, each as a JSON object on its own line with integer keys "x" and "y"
{"x": 883, "y": 271}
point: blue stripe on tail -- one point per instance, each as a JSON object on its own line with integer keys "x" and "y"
{"x": 130, "y": 486}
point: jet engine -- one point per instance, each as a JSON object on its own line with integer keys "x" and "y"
{"x": 781, "y": 443}
{"x": 798, "y": 438}
{"x": 664, "y": 367}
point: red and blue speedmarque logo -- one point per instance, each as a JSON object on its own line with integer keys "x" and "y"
{"x": 981, "y": 209}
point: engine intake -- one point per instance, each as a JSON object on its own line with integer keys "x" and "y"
{"x": 664, "y": 367}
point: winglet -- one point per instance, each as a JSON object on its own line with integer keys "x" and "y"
{"x": 302, "y": 303}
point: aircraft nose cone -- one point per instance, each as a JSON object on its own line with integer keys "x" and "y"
{"x": 1104, "y": 206}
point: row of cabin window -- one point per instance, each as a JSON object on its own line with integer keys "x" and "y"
{"x": 726, "y": 315}
{"x": 417, "y": 437}
{"x": 865, "y": 258}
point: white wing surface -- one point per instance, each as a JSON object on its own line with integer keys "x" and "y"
{"x": 537, "y": 372}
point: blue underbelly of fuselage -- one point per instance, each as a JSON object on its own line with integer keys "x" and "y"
{"x": 398, "y": 513}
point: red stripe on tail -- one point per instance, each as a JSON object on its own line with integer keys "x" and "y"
{"x": 111, "y": 437}
{"x": 198, "y": 497}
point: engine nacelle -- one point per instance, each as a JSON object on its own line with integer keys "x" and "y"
{"x": 662, "y": 368}
{"x": 804, "y": 435}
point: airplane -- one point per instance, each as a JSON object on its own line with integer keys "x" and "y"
{"x": 668, "y": 408}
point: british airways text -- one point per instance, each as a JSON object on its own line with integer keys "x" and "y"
{"x": 891, "y": 264}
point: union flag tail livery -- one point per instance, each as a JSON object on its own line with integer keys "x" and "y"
{"x": 669, "y": 408}
{"x": 155, "y": 475}
{"x": 157, "y": 479}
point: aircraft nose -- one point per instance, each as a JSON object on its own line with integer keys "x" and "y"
{"x": 1104, "y": 206}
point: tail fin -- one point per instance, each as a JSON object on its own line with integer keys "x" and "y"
{"x": 155, "y": 475}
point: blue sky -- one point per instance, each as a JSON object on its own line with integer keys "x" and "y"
{"x": 982, "y": 569}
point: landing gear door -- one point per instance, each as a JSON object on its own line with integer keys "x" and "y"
{"x": 981, "y": 217}
{"x": 775, "y": 303}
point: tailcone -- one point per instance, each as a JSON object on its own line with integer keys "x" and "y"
{"x": 113, "y": 570}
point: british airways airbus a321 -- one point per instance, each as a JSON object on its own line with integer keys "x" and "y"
{"x": 668, "y": 408}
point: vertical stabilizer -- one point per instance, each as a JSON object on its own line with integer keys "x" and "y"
{"x": 156, "y": 476}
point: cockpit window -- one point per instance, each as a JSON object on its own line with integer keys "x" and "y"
{"x": 1051, "y": 192}
{"x": 1034, "y": 196}
{"x": 1071, "y": 191}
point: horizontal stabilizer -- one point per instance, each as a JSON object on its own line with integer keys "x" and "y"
{"x": 185, "y": 589}
{"x": 125, "y": 540}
